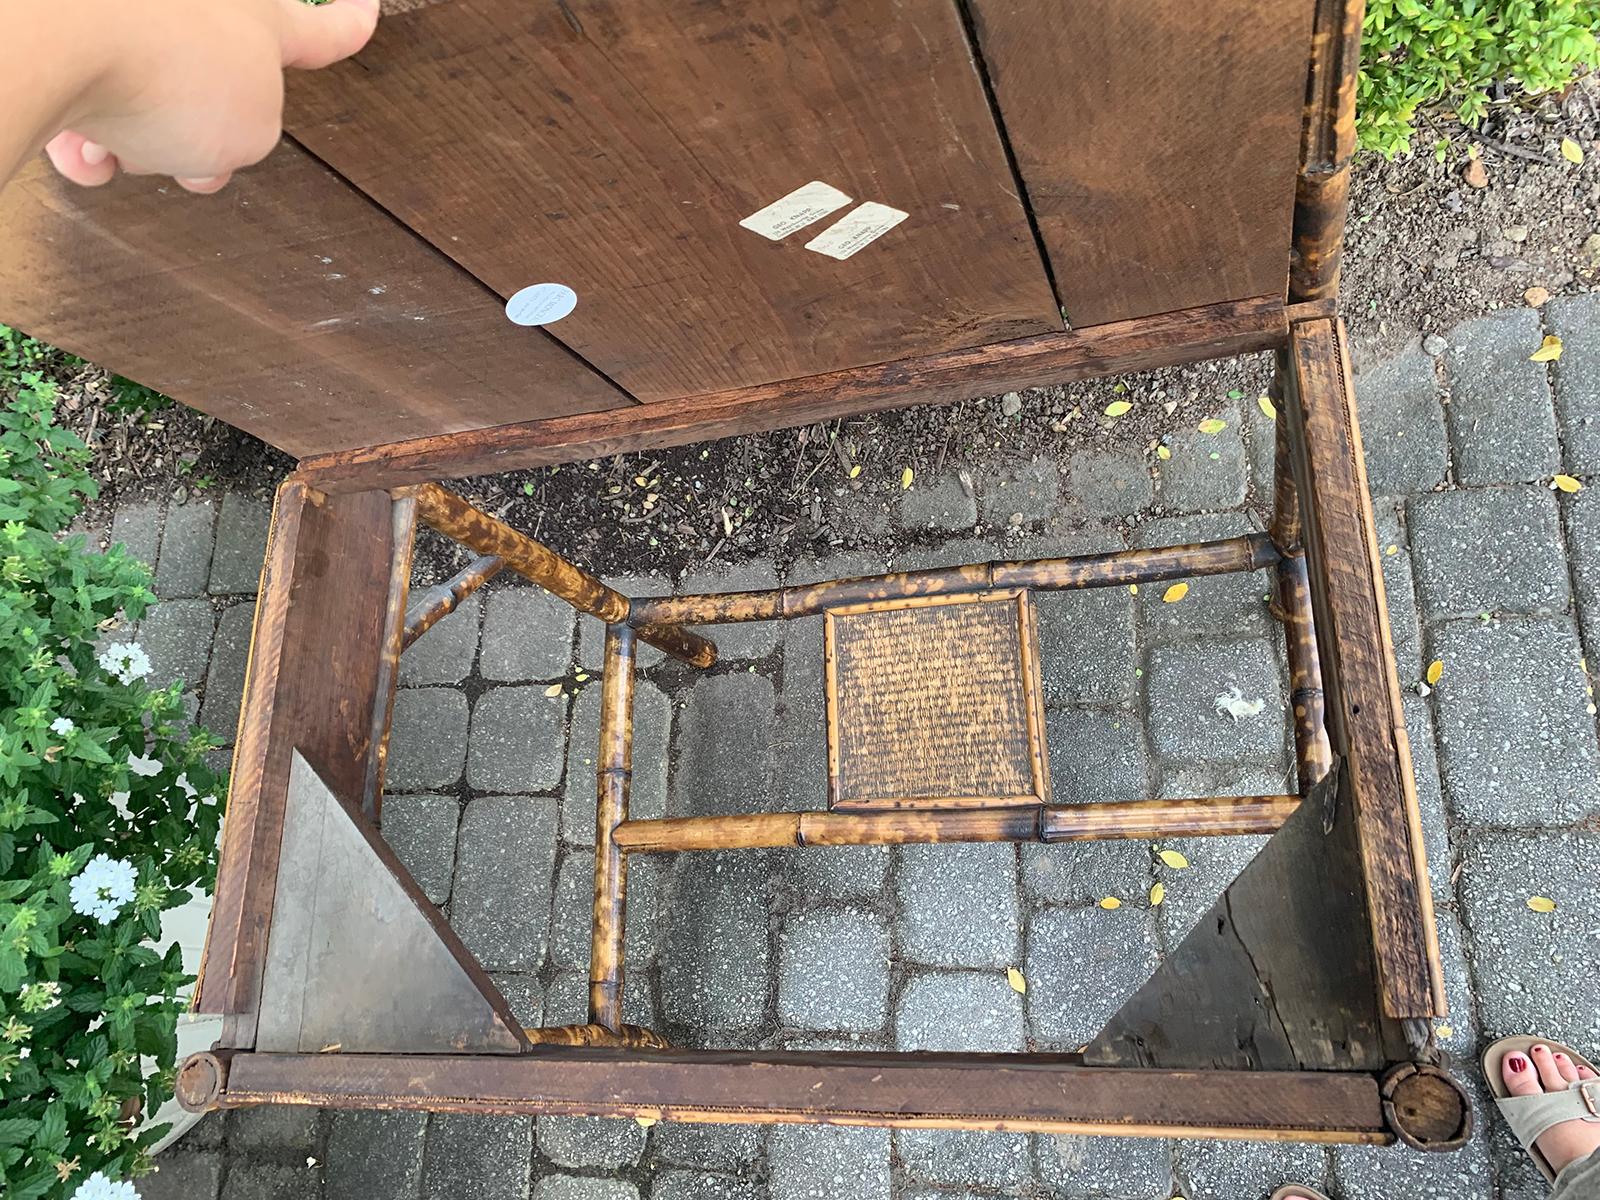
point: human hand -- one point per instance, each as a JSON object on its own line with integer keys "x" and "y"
{"x": 194, "y": 88}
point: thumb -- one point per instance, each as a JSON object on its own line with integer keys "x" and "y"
{"x": 317, "y": 35}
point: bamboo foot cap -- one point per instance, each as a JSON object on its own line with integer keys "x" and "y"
{"x": 1425, "y": 1107}
{"x": 199, "y": 1082}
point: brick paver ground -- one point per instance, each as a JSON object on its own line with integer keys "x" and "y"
{"x": 1489, "y": 571}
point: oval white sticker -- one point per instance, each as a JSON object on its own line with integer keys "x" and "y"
{"x": 541, "y": 303}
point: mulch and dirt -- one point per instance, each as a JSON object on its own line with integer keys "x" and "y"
{"x": 1429, "y": 242}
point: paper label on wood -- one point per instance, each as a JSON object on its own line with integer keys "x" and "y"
{"x": 856, "y": 229}
{"x": 796, "y": 210}
{"x": 541, "y": 304}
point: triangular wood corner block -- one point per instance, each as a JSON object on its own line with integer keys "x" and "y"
{"x": 358, "y": 959}
{"x": 1278, "y": 975}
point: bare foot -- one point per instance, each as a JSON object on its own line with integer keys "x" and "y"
{"x": 1551, "y": 1071}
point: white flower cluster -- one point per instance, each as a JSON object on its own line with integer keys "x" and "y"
{"x": 126, "y": 660}
{"x": 103, "y": 887}
{"x": 99, "y": 1187}
{"x": 62, "y": 725}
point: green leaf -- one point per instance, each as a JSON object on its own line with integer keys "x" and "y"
{"x": 16, "y": 1131}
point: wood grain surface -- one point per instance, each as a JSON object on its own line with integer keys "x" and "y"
{"x": 1158, "y": 143}
{"x": 287, "y": 304}
{"x": 614, "y": 147}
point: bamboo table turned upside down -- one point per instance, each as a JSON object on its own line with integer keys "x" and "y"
{"x": 1169, "y": 177}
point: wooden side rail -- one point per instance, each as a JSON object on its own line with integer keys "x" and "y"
{"x": 1117, "y": 568}
{"x": 455, "y": 518}
{"x": 442, "y": 599}
{"x": 1219, "y": 815}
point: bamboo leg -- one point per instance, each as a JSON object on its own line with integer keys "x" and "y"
{"x": 613, "y": 774}
{"x": 1285, "y": 528}
{"x": 402, "y": 540}
{"x": 1327, "y": 144}
{"x": 1312, "y": 750}
{"x": 455, "y": 518}
{"x": 444, "y": 598}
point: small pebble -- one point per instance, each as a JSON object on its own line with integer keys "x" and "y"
{"x": 1011, "y": 404}
{"x": 1435, "y": 345}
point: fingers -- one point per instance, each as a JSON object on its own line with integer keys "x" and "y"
{"x": 316, "y": 35}
{"x": 83, "y": 162}
{"x": 1549, "y": 1075}
{"x": 1520, "y": 1076}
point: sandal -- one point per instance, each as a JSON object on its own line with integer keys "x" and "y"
{"x": 1293, "y": 1191}
{"x": 1529, "y": 1116}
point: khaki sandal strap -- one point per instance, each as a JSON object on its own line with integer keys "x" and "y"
{"x": 1529, "y": 1116}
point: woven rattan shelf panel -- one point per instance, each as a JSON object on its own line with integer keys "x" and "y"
{"x": 934, "y": 702}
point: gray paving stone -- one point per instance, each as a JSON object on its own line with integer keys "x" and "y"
{"x": 422, "y": 831}
{"x": 252, "y": 1180}
{"x": 1583, "y": 528}
{"x": 1109, "y": 483}
{"x": 1534, "y": 971}
{"x": 1214, "y": 863}
{"x": 1096, "y": 756}
{"x": 1457, "y": 1031}
{"x": 180, "y": 1175}
{"x": 230, "y": 655}
{"x": 647, "y": 792}
{"x": 241, "y": 544}
{"x": 1399, "y": 586}
{"x": 954, "y": 553}
{"x": 427, "y": 739}
{"x": 525, "y": 996}
{"x": 185, "y": 562}
{"x": 1090, "y": 1168}
{"x": 1087, "y": 649}
{"x": 799, "y": 734}
{"x": 592, "y": 632}
{"x": 834, "y": 971}
{"x": 374, "y": 1154}
{"x": 703, "y": 1185}
{"x": 1215, "y": 605}
{"x": 1385, "y": 1172}
{"x": 176, "y": 634}
{"x": 1182, "y": 685}
{"x": 716, "y": 955}
{"x": 272, "y": 1127}
{"x": 518, "y": 740}
{"x": 746, "y": 639}
{"x": 1031, "y": 489}
{"x": 844, "y": 564}
{"x": 1517, "y": 745}
{"x": 975, "y": 1011}
{"x": 1082, "y": 964}
{"x": 1576, "y": 321}
{"x": 958, "y": 904}
{"x": 583, "y": 1187}
{"x": 1235, "y": 1170}
{"x": 444, "y": 654}
{"x": 590, "y": 1141}
{"x": 837, "y": 872}
{"x": 1084, "y": 872}
{"x": 572, "y": 911}
{"x": 1430, "y": 792}
{"x": 825, "y": 1162}
{"x": 734, "y": 1148}
{"x": 724, "y": 745}
{"x": 1206, "y": 470}
{"x": 964, "y": 1156}
{"x": 486, "y": 1158}
{"x": 938, "y": 504}
{"x": 527, "y": 634}
{"x": 138, "y": 527}
{"x": 500, "y": 903}
{"x": 1402, "y": 424}
{"x": 1488, "y": 550}
{"x": 1502, "y": 416}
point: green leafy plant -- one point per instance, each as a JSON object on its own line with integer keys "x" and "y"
{"x": 108, "y": 816}
{"x": 1418, "y": 53}
{"x": 20, "y": 354}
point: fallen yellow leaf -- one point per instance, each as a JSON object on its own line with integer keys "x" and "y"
{"x": 645, "y": 1122}
{"x": 1158, "y": 894}
{"x": 905, "y": 479}
{"x": 553, "y": 690}
{"x": 1175, "y": 593}
{"x": 1391, "y": 550}
{"x": 855, "y": 470}
{"x": 1566, "y": 483}
{"x": 1133, "y": 588}
{"x": 1445, "y": 1031}
{"x": 1015, "y": 979}
{"x": 1435, "y": 672}
{"x": 1117, "y": 407}
{"x": 1541, "y": 904}
{"x": 1163, "y": 453}
{"x": 1174, "y": 859}
{"x": 1571, "y": 151}
{"x": 1213, "y": 425}
{"x": 1549, "y": 350}
{"x": 1111, "y": 902}
{"x": 1265, "y": 404}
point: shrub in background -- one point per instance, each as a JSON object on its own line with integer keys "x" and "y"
{"x": 1416, "y": 53}
{"x": 108, "y": 816}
